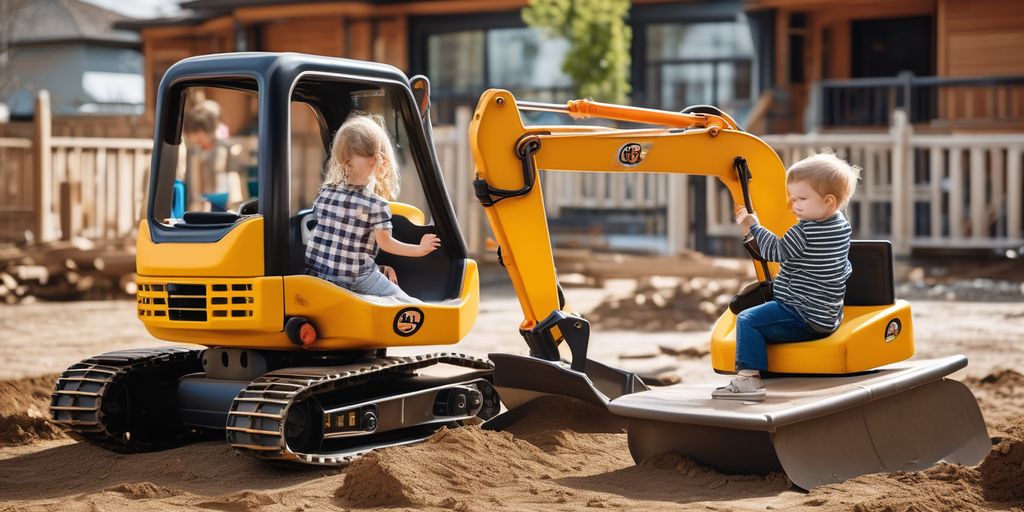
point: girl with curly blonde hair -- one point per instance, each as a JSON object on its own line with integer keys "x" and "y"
{"x": 353, "y": 216}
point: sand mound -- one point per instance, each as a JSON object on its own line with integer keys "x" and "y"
{"x": 706, "y": 475}
{"x": 552, "y": 412}
{"x": 1001, "y": 397}
{"x": 143, "y": 491}
{"x": 471, "y": 468}
{"x": 939, "y": 488}
{"x": 1002, "y": 471}
{"x": 18, "y": 429}
{"x": 693, "y": 305}
{"x": 24, "y": 411}
{"x": 244, "y": 501}
{"x": 450, "y": 467}
{"x": 30, "y": 396}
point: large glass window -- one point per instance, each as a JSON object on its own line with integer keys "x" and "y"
{"x": 461, "y": 65}
{"x": 212, "y": 166}
{"x": 309, "y": 154}
{"x": 701, "y": 63}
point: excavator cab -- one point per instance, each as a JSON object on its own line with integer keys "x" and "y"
{"x": 249, "y": 262}
{"x": 295, "y": 367}
{"x": 846, "y": 405}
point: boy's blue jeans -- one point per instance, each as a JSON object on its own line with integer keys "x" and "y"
{"x": 771, "y": 322}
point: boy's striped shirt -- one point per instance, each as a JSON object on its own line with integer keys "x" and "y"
{"x": 814, "y": 270}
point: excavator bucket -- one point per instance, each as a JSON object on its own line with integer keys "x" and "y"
{"x": 521, "y": 379}
{"x": 901, "y": 417}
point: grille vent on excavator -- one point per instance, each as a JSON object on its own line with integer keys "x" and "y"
{"x": 196, "y": 302}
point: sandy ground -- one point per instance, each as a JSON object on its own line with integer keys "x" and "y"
{"x": 570, "y": 457}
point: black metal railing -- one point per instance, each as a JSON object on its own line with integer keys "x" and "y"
{"x": 869, "y": 102}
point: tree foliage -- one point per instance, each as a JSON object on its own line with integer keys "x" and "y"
{"x": 599, "y": 38}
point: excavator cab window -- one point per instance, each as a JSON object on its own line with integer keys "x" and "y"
{"x": 319, "y": 106}
{"x": 207, "y": 170}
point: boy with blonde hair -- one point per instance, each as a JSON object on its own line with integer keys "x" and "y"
{"x": 811, "y": 284}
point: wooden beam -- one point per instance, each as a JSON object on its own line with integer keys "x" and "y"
{"x": 359, "y": 9}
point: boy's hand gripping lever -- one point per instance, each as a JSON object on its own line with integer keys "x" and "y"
{"x": 749, "y": 242}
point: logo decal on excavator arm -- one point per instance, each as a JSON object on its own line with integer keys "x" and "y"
{"x": 632, "y": 153}
{"x": 408, "y": 321}
{"x": 892, "y": 330}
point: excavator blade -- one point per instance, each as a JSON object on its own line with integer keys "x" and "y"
{"x": 521, "y": 379}
{"x": 901, "y": 417}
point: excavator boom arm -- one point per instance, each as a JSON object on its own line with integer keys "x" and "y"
{"x": 509, "y": 156}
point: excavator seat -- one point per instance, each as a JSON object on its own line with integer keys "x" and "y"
{"x": 449, "y": 290}
{"x": 876, "y": 328}
{"x": 429, "y": 278}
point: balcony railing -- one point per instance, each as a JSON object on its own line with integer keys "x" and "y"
{"x": 938, "y": 101}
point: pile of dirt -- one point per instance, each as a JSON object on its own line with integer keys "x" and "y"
{"x": 144, "y": 491}
{"x": 472, "y": 468}
{"x": 18, "y": 429}
{"x": 940, "y": 487}
{"x": 1002, "y": 471}
{"x": 24, "y": 411}
{"x": 451, "y": 466}
{"x": 692, "y": 305}
{"x": 1001, "y": 397}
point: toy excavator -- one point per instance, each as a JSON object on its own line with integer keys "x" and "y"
{"x": 296, "y": 367}
{"x": 846, "y": 405}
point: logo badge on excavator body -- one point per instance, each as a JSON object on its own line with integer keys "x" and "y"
{"x": 408, "y": 321}
{"x": 892, "y": 330}
{"x": 632, "y": 153}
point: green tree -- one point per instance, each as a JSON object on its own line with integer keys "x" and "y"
{"x": 599, "y": 39}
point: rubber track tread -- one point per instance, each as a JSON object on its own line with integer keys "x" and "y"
{"x": 290, "y": 385}
{"x": 83, "y": 417}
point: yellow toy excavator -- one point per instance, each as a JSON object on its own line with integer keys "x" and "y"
{"x": 295, "y": 368}
{"x": 846, "y": 405}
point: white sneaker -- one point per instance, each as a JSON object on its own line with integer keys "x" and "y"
{"x": 742, "y": 387}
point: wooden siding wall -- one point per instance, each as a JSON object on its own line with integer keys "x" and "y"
{"x": 980, "y": 37}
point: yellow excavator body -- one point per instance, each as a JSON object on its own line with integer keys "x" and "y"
{"x": 295, "y": 367}
{"x": 690, "y": 145}
{"x": 848, "y": 404}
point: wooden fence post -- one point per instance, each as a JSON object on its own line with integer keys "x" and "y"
{"x": 902, "y": 184}
{"x": 678, "y": 213}
{"x": 42, "y": 168}
{"x": 70, "y": 209}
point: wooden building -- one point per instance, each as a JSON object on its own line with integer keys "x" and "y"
{"x": 954, "y": 64}
{"x": 779, "y": 66}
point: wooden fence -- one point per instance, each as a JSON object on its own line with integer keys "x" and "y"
{"x": 920, "y": 191}
{"x": 64, "y": 187}
{"x": 925, "y": 191}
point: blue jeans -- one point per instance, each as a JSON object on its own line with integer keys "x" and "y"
{"x": 376, "y": 283}
{"x": 771, "y": 322}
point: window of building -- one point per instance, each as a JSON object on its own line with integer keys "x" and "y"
{"x": 463, "y": 64}
{"x": 700, "y": 63}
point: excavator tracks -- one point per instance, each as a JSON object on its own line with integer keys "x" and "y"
{"x": 125, "y": 400}
{"x": 285, "y": 415}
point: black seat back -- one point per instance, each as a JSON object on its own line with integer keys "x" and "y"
{"x": 433, "y": 277}
{"x": 871, "y": 283}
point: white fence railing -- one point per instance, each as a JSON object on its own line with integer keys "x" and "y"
{"x": 926, "y": 191}
{"x": 920, "y": 191}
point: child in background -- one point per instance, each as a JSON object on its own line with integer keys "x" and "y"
{"x": 353, "y": 216}
{"x": 214, "y": 169}
{"x": 811, "y": 284}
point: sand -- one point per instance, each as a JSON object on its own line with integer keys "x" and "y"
{"x": 567, "y": 456}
